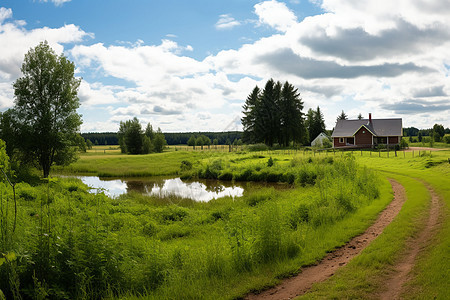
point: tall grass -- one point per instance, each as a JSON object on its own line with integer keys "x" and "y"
{"x": 72, "y": 244}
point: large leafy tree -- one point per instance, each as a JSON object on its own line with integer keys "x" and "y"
{"x": 46, "y": 101}
{"x": 131, "y": 136}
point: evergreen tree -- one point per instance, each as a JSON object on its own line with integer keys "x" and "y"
{"x": 160, "y": 141}
{"x": 342, "y": 116}
{"x": 360, "y": 117}
{"x": 291, "y": 116}
{"x": 249, "y": 119}
{"x": 274, "y": 115}
{"x": 149, "y": 131}
{"x": 315, "y": 123}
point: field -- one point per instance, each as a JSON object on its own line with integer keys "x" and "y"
{"x": 69, "y": 243}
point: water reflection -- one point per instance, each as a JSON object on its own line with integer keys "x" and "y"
{"x": 194, "y": 190}
{"x": 198, "y": 191}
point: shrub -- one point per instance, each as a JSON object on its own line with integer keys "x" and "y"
{"x": 270, "y": 162}
{"x": 150, "y": 229}
{"x": 173, "y": 213}
{"x": 258, "y": 147}
{"x": 447, "y": 139}
{"x": 185, "y": 165}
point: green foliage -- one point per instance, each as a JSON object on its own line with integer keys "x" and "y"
{"x": 96, "y": 247}
{"x": 274, "y": 115}
{"x": 315, "y": 123}
{"x": 159, "y": 142}
{"x": 186, "y": 165}
{"x": 44, "y": 114}
{"x": 403, "y": 144}
{"x": 133, "y": 140}
{"x": 270, "y": 162}
{"x": 342, "y": 116}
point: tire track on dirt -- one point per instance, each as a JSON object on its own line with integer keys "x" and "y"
{"x": 393, "y": 285}
{"x": 302, "y": 282}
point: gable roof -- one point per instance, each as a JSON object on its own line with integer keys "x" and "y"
{"x": 320, "y": 137}
{"x": 378, "y": 127}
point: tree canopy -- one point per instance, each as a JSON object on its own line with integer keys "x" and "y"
{"x": 274, "y": 115}
{"x": 315, "y": 123}
{"x": 342, "y": 116}
{"x": 44, "y": 116}
{"x": 133, "y": 140}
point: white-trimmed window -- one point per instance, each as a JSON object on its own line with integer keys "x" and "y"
{"x": 341, "y": 140}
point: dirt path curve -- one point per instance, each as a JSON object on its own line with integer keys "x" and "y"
{"x": 302, "y": 282}
{"x": 393, "y": 286}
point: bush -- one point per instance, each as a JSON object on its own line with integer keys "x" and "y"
{"x": 403, "y": 144}
{"x": 258, "y": 147}
{"x": 173, "y": 213}
{"x": 447, "y": 139}
{"x": 185, "y": 165}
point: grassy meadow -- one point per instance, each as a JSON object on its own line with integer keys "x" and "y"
{"x": 71, "y": 244}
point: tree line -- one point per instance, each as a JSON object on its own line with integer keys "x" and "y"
{"x": 223, "y": 138}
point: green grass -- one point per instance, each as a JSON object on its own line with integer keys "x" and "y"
{"x": 137, "y": 246}
{"x": 119, "y": 165}
{"x": 83, "y": 245}
{"x": 364, "y": 275}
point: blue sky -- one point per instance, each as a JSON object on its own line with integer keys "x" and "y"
{"x": 189, "y": 65}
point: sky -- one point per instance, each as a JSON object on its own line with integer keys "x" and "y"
{"x": 189, "y": 65}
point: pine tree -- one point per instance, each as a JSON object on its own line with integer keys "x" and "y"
{"x": 342, "y": 116}
{"x": 249, "y": 119}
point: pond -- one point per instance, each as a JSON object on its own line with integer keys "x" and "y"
{"x": 202, "y": 190}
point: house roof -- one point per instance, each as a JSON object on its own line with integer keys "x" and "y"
{"x": 379, "y": 127}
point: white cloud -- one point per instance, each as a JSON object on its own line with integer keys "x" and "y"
{"x": 5, "y": 13}
{"x": 56, "y": 2}
{"x": 275, "y": 14}
{"x": 388, "y": 59}
{"x": 226, "y": 22}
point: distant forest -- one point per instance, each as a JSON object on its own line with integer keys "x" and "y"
{"x": 176, "y": 138}
{"x": 413, "y": 131}
{"x": 181, "y": 138}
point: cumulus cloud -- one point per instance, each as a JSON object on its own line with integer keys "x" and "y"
{"x": 275, "y": 14}
{"x": 226, "y": 21}
{"x": 387, "y": 57}
{"x": 286, "y": 61}
{"x": 19, "y": 40}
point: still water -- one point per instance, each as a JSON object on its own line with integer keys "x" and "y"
{"x": 204, "y": 190}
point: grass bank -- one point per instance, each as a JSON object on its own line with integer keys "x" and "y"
{"x": 73, "y": 244}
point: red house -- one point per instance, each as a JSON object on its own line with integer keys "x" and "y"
{"x": 367, "y": 133}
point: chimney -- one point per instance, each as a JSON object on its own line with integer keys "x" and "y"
{"x": 370, "y": 118}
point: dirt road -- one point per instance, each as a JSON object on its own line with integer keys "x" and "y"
{"x": 302, "y": 282}
{"x": 393, "y": 285}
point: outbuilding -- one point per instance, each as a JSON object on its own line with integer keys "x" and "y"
{"x": 319, "y": 140}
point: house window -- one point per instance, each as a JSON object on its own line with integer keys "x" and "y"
{"x": 341, "y": 140}
{"x": 364, "y": 131}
